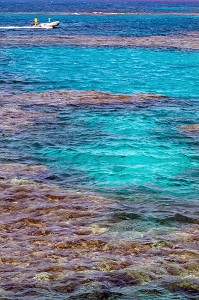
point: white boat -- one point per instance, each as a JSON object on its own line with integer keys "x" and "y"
{"x": 49, "y": 25}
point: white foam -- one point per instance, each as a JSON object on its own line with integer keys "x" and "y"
{"x": 24, "y": 27}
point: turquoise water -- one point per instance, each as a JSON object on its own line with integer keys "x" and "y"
{"x": 138, "y": 156}
{"x": 170, "y": 73}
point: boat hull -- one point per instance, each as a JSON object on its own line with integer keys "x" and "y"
{"x": 49, "y": 25}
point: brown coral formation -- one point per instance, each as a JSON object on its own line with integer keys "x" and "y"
{"x": 66, "y": 240}
{"x": 13, "y": 118}
{"x": 181, "y": 41}
{"x": 78, "y": 97}
{"x": 20, "y": 171}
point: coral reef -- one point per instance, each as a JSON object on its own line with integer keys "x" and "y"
{"x": 69, "y": 240}
{"x": 181, "y": 41}
{"x": 78, "y": 97}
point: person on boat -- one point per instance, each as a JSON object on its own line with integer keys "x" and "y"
{"x": 49, "y": 20}
{"x": 36, "y": 22}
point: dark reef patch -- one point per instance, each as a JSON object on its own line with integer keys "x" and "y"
{"x": 187, "y": 41}
{"x": 78, "y": 97}
{"x": 14, "y": 118}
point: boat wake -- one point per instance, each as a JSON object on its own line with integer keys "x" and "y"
{"x": 16, "y": 27}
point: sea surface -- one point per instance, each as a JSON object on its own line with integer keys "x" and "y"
{"x": 99, "y": 164}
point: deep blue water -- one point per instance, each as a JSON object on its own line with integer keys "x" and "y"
{"x": 119, "y": 25}
{"x": 102, "y": 6}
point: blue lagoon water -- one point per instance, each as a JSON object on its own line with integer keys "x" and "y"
{"x": 99, "y": 200}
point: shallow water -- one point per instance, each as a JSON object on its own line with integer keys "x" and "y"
{"x": 99, "y": 165}
{"x": 111, "y": 69}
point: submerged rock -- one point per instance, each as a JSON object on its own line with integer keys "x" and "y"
{"x": 191, "y": 128}
{"x": 189, "y": 286}
{"x": 13, "y": 118}
{"x": 20, "y": 173}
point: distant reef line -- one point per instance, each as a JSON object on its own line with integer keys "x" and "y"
{"x": 98, "y": 13}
